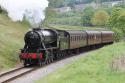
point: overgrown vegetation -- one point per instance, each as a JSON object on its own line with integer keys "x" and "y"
{"x": 11, "y": 40}
{"x": 102, "y": 66}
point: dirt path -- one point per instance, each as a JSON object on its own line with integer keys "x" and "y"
{"x": 35, "y": 75}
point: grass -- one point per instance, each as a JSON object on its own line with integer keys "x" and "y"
{"x": 11, "y": 40}
{"x": 66, "y": 27}
{"x": 97, "y": 67}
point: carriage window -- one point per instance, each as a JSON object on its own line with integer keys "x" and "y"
{"x": 76, "y": 38}
{"x": 90, "y": 37}
{"x": 81, "y": 37}
{"x": 71, "y": 38}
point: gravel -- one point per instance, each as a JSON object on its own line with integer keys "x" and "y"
{"x": 41, "y": 72}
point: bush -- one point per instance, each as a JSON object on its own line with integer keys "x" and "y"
{"x": 3, "y": 11}
{"x": 118, "y": 34}
{"x": 100, "y": 18}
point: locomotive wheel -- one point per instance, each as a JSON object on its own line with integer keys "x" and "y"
{"x": 43, "y": 62}
{"x": 52, "y": 59}
{"x": 25, "y": 63}
{"x": 63, "y": 55}
{"x": 60, "y": 56}
{"x": 57, "y": 56}
{"x": 47, "y": 61}
{"x": 40, "y": 63}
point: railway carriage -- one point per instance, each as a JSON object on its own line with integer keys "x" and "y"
{"x": 93, "y": 37}
{"x": 107, "y": 37}
{"x": 77, "y": 39}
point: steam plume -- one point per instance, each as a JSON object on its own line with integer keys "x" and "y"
{"x": 33, "y": 10}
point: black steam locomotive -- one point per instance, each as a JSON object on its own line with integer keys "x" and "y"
{"x": 43, "y": 46}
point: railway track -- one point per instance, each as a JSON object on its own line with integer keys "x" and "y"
{"x": 16, "y": 73}
{"x": 13, "y": 74}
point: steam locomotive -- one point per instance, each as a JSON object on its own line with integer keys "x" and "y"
{"x": 43, "y": 46}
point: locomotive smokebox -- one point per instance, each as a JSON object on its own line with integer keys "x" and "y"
{"x": 37, "y": 36}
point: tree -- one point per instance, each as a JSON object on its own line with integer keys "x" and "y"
{"x": 117, "y": 19}
{"x": 88, "y": 12}
{"x": 56, "y": 3}
{"x": 100, "y": 18}
{"x": 116, "y": 22}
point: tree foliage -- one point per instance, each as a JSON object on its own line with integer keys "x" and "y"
{"x": 100, "y": 18}
{"x": 117, "y": 19}
{"x": 114, "y": 16}
{"x": 117, "y": 22}
{"x": 88, "y": 12}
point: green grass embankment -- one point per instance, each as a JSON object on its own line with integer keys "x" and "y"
{"x": 106, "y": 65}
{"x": 11, "y": 40}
